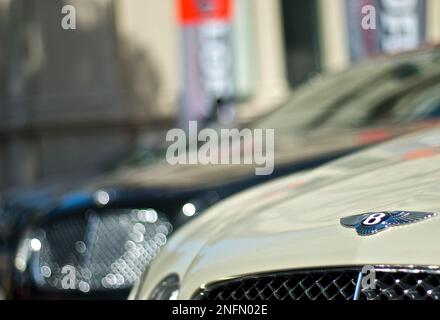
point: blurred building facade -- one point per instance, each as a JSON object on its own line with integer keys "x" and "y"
{"x": 71, "y": 100}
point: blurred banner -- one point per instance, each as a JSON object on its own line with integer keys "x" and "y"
{"x": 207, "y": 59}
{"x": 385, "y": 26}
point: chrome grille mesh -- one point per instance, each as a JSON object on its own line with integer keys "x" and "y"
{"x": 95, "y": 251}
{"x": 331, "y": 284}
{"x": 404, "y": 286}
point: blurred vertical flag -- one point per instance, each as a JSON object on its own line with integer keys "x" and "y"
{"x": 207, "y": 57}
{"x": 385, "y": 26}
{"x": 193, "y": 12}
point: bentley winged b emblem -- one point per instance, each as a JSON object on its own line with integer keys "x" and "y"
{"x": 371, "y": 223}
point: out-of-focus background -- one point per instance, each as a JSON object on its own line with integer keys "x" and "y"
{"x": 74, "y": 102}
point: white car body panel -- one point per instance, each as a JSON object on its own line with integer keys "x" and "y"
{"x": 294, "y": 222}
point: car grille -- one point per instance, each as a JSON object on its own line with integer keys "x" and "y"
{"x": 98, "y": 251}
{"x": 405, "y": 285}
{"x": 332, "y": 284}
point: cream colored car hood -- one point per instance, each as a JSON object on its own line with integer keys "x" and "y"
{"x": 293, "y": 223}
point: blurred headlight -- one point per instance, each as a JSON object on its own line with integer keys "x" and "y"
{"x": 24, "y": 252}
{"x": 167, "y": 289}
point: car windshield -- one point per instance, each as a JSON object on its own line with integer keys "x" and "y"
{"x": 359, "y": 97}
{"x": 418, "y": 105}
{"x": 375, "y": 105}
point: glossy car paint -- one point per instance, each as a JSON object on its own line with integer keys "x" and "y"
{"x": 294, "y": 222}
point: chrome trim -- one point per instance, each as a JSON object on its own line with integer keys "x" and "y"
{"x": 408, "y": 269}
{"x": 357, "y": 292}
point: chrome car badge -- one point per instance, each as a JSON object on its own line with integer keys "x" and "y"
{"x": 371, "y": 223}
